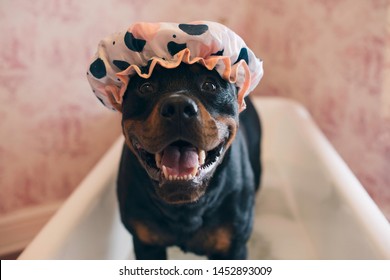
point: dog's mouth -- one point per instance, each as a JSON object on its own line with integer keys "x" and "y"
{"x": 179, "y": 161}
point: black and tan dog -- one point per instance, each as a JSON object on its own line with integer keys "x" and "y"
{"x": 191, "y": 164}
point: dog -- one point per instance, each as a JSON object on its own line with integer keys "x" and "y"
{"x": 190, "y": 166}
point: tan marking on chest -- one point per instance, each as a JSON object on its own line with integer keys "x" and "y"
{"x": 148, "y": 235}
{"x": 212, "y": 240}
{"x": 221, "y": 239}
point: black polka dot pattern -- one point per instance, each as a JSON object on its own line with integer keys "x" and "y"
{"x": 101, "y": 100}
{"x": 142, "y": 46}
{"x": 218, "y": 53}
{"x": 98, "y": 69}
{"x": 194, "y": 29}
{"x": 122, "y": 65}
{"x": 174, "y": 48}
{"x": 243, "y": 56}
{"x": 145, "y": 69}
{"x": 136, "y": 45}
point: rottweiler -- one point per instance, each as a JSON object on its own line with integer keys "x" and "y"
{"x": 190, "y": 165}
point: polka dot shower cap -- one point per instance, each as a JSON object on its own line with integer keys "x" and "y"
{"x": 144, "y": 45}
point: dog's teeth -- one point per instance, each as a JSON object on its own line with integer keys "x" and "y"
{"x": 194, "y": 172}
{"x": 157, "y": 158}
{"x": 171, "y": 177}
{"x": 165, "y": 171}
{"x": 202, "y": 157}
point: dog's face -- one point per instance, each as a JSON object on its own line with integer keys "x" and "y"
{"x": 179, "y": 123}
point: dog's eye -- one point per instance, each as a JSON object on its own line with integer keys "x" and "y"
{"x": 209, "y": 86}
{"x": 146, "y": 88}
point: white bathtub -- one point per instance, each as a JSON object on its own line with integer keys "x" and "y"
{"x": 310, "y": 205}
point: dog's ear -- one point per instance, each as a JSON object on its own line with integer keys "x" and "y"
{"x": 242, "y": 106}
{"x": 115, "y": 104}
{"x": 113, "y": 95}
{"x": 118, "y": 107}
{"x": 240, "y": 100}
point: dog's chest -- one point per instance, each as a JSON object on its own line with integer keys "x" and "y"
{"x": 206, "y": 240}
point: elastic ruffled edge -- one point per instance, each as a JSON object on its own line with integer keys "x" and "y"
{"x": 230, "y": 73}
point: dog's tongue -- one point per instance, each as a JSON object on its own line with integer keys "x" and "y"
{"x": 180, "y": 160}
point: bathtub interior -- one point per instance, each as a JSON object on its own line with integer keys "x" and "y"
{"x": 310, "y": 205}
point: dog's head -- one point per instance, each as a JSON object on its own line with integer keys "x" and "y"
{"x": 180, "y": 88}
{"x": 179, "y": 123}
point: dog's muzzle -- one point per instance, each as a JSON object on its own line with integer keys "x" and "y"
{"x": 180, "y": 160}
{"x": 180, "y": 146}
{"x": 177, "y": 107}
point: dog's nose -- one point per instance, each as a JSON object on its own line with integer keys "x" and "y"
{"x": 178, "y": 106}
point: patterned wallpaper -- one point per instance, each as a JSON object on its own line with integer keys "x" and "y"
{"x": 331, "y": 55}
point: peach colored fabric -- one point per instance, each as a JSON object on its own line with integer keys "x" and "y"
{"x": 144, "y": 45}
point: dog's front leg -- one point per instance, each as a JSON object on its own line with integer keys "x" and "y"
{"x": 148, "y": 252}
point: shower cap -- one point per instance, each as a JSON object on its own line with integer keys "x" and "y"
{"x": 142, "y": 46}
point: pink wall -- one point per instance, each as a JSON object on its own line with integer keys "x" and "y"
{"x": 334, "y": 57}
{"x": 331, "y": 55}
